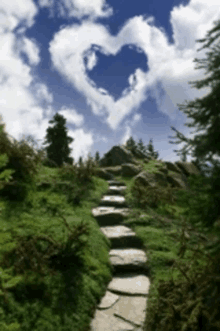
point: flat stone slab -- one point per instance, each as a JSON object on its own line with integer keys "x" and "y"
{"x": 128, "y": 257}
{"x": 121, "y": 236}
{"x": 130, "y": 285}
{"x": 117, "y": 231}
{"x": 114, "y": 190}
{"x": 131, "y": 309}
{"x": 113, "y": 200}
{"x": 108, "y": 300}
{"x": 106, "y": 321}
{"x": 110, "y": 215}
{"x": 127, "y": 313}
{"x": 115, "y": 183}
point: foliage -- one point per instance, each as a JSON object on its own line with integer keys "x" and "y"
{"x": 58, "y": 150}
{"x": 19, "y": 159}
{"x": 205, "y": 111}
{"x": 191, "y": 302}
{"x": 97, "y": 158}
{"x": 130, "y": 144}
{"x": 141, "y": 146}
{"x": 151, "y": 196}
{"x": 150, "y": 150}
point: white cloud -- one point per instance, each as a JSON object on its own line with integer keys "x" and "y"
{"x": 170, "y": 65}
{"x": 77, "y": 8}
{"x": 82, "y": 143}
{"x": 14, "y": 12}
{"x": 72, "y": 116}
{"x": 43, "y": 94}
{"x": 29, "y": 47}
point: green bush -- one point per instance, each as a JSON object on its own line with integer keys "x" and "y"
{"x": 24, "y": 162}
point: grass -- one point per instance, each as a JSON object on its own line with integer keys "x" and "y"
{"x": 62, "y": 292}
{"x": 174, "y": 239}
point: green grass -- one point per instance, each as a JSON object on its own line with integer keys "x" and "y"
{"x": 65, "y": 296}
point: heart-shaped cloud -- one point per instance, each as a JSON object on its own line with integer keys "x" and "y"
{"x": 73, "y": 43}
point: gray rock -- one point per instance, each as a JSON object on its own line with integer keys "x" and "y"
{"x": 172, "y": 167}
{"x": 108, "y": 300}
{"x": 103, "y": 174}
{"x": 131, "y": 309}
{"x": 188, "y": 168}
{"x": 130, "y": 285}
{"x": 130, "y": 170}
{"x": 178, "y": 180}
{"x": 128, "y": 259}
{"x": 116, "y": 171}
{"x": 145, "y": 178}
{"x": 106, "y": 321}
{"x": 116, "y": 183}
{"x": 113, "y": 200}
{"x": 110, "y": 215}
{"x": 117, "y": 156}
{"x": 121, "y": 236}
{"x": 114, "y": 190}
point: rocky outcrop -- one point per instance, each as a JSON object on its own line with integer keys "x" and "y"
{"x": 130, "y": 170}
{"x": 117, "y": 156}
{"x": 102, "y": 173}
{"x": 116, "y": 171}
{"x": 172, "y": 167}
{"x": 188, "y": 168}
{"x": 151, "y": 179}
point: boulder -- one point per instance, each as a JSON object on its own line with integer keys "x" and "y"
{"x": 140, "y": 155}
{"x": 116, "y": 171}
{"x": 188, "y": 168}
{"x": 151, "y": 179}
{"x": 177, "y": 180}
{"x": 117, "y": 156}
{"x": 172, "y": 167}
{"x": 130, "y": 170}
{"x": 101, "y": 173}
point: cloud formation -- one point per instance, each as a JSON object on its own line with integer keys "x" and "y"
{"x": 77, "y": 8}
{"x": 171, "y": 65}
{"x": 27, "y": 105}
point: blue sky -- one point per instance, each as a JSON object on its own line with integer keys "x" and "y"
{"x": 113, "y": 69}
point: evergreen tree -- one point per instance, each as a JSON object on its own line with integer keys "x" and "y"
{"x": 97, "y": 157}
{"x": 205, "y": 113}
{"x": 80, "y": 161}
{"x": 130, "y": 144}
{"x": 183, "y": 157}
{"x": 58, "y": 150}
{"x": 150, "y": 150}
{"x": 141, "y": 146}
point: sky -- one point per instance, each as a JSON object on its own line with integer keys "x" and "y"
{"x": 112, "y": 68}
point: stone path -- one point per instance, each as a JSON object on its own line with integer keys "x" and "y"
{"x": 123, "y": 307}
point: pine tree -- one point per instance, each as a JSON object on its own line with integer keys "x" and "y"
{"x": 183, "y": 157}
{"x": 97, "y": 157}
{"x": 206, "y": 116}
{"x": 130, "y": 144}
{"x": 80, "y": 162}
{"x": 58, "y": 150}
{"x": 150, "y": 150}
{"x": 205, "y": 111}
{"x": 141, "y": 146}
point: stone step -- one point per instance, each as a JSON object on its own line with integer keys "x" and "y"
{"x": 120, "y": 313}
{"x": 121, "y": 236}
{"x": 130, "y": 284}
{"x": 110, "y": 215}
{"x": 114, "y": 190}
{"x": 113, "y": 200}
{"x": 129, "y": 259}
{"x": 115, "y": 183}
